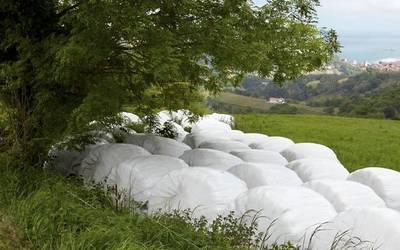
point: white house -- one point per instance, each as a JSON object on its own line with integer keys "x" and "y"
{"x": 277, "y": 100}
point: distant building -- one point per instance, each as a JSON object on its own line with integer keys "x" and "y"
{"x": 276, "y": 100}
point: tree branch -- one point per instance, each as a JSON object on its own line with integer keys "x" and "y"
{"x": 66, "y": 10}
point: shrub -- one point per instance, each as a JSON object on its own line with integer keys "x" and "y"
{"x": 283, "y": 109}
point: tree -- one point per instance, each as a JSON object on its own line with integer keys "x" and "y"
{"x": 66, "y": 63}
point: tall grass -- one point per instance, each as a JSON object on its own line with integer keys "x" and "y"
{"x": 358, "y": 143}
{"x": 53, "y": 212}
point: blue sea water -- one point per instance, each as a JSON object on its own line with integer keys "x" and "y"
{"x": 369, "y": 48}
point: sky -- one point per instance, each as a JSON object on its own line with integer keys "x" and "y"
{"x": 369, "y": 30}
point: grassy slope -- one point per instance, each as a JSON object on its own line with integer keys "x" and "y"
{"x": 358, "y": 142}
{"x": 53, "y": 212}
{"x": 259, "y": 103}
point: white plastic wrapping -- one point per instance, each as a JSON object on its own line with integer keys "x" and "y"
{"x": 136, "y": 176}
{"x": 210, "y": 125}
{"x": 206, "y": 192}
{"x": 223, "y": 145}
{"x": 164, "y": 116}
{"x": 250, "y": 138}
{"x": 260, "y": 156}
{"x": 360, "y": 228}
{"x": 228, "y": 119}
{"x": 182, "y": 117}
{"x": 129, "y": 118}
{"x": 385, "y": 182}
{"x": 317, "y": 169}
{"x": 158, "y": 145}
{"x": 97, "y": 165}
{"x": 194, "y": 140}
{"x": 68, "y": 161}
{"x": 180, "y": 131}
{"x": 285, "y": 213}
{"x": 210, "y": 158}
{"x": 265, "y": 175}
{"x": 344, "y": 195}
{"x": 308, "y": 150}
{"x": 274, "y": 143}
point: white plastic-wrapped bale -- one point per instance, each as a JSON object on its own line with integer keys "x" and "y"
{"x": 210, "y": 158}
{"x": 68, "y": 161}
{"x": 228, "y": 119}
{"x": 360, "y": 228}
{"x": 205, "y": 125}
{"x": 164, "y": 116}
{"x": 250, "y": 138}
{"x": 129, "y": 118}
{"x": 260, "y": 156}
{"x": 179, "y": 130}
{"x": 158, "y": 145}
{"x": 308, "y": 150}
{"x": 285, "y": 213}
{"x": 134, "y": 177}
{"x": 230, "y": 134}
{"x": 97, "y": 165}
{"x": 194, "y": 140}
{"x": 385, "y": 182}
{"x": 136, "y": 139}
{"x": 346, "y": 194}
{"x": 206, "y": 192}
{"x": 223, "y": 145}
{"x": 317, "y": 169}
{"x": 256, "y": 175}
{"x": 183, "y": 117}
{"x": 274, "y": 143}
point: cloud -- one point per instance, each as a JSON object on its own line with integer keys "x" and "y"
{"x": 360, "y": 15}
{"x": 362, "y": 5}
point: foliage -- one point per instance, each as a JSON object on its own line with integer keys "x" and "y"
{"x": 312, "y": 86}
{"x": 65, "y": 63}
{"x": 167, "y": 130}
{"x": 367, "y": 94}
{"x": 283, "y": 109}
{"x": 358, "y": 142}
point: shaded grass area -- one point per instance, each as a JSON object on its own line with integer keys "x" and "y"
{"x": 358, "y": 143}
{"x": 53, "y": 212}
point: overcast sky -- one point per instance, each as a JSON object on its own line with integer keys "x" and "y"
{"x": 359, "y": 16}
{"x": 369, "y": 30}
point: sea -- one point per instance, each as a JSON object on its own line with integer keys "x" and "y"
{"x": 370, "y": 48}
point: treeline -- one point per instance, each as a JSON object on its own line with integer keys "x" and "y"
{"x": 312, "y": 86}
{"x": 384, "y": 103}
{"x": 367, "y": 94}
{"x": 222, "y": 107}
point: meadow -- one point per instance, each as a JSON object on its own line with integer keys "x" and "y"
{"x": 358, "y": 142}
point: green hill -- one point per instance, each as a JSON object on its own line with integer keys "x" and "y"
{"x": 358, "y": 143}
{"x": 257, "y": 104}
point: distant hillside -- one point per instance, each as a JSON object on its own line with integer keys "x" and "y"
{"x": 366, "y": 94}
{"x": 318, "y": 86}
{"x": 234, "y": 103}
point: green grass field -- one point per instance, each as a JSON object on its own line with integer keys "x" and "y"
{"x": 357, "y": 142}
{"x": 260, "y": 103}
